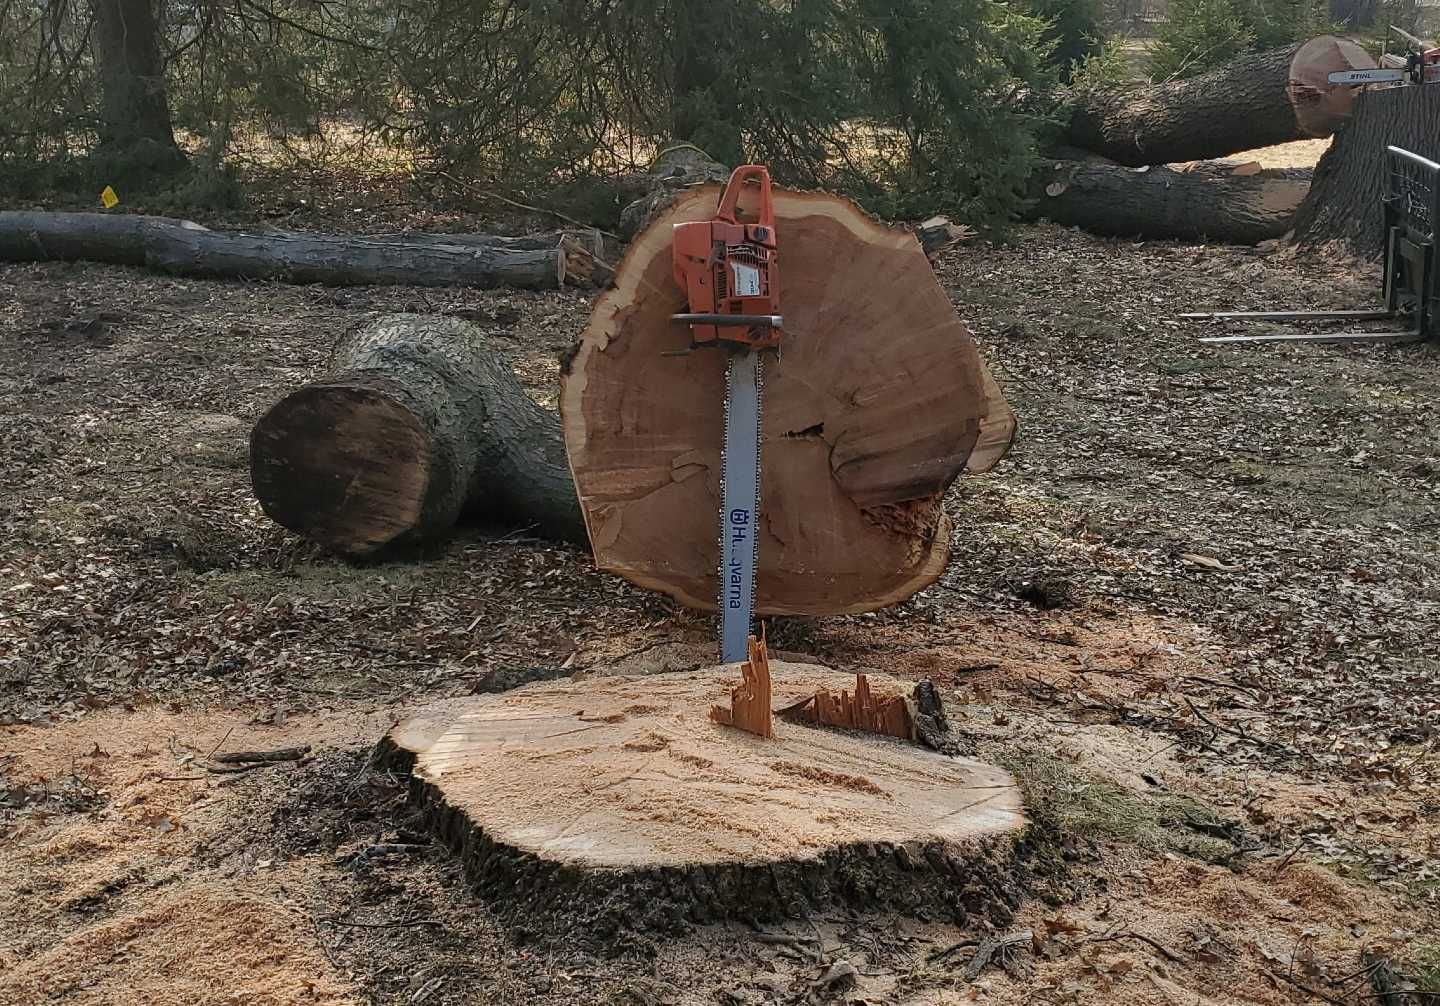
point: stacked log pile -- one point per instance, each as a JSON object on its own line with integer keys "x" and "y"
{"x": 1114, "y": 178}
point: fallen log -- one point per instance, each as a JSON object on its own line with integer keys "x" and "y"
{"x": 1198, "y": 203}
{"x": 184, "y": 248}
{"x": 1255, "y": 100}
{"x": 587, "y": 254}
{"x": 419, "y": 422}
{"x": 591, "y": 240}
{"x": 1343, "y": 206}
{"x": 678, "y": 167}
{"x": 877, "y": 402}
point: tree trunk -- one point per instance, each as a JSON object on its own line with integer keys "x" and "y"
{"x": 1253, "y": 101}
{"x": 419, "y": 422}
{"x": 705, "y": 86}
{"x": 1343, "y": 206}
{"x": 875, "y": 404}
{"x": 187, "y": 249}
{"x": 1207, "y": 203}
{"x": 1353, "y": 14}
{"x": 135, "y": 123}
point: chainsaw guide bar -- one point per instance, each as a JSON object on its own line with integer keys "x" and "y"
{"x": 728, "y": 271}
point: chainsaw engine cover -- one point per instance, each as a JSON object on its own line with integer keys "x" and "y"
{"x": 729, "y": 267}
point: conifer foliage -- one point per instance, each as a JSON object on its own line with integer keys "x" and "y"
{"x": 910, "y": 105}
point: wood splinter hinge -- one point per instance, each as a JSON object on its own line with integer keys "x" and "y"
{"x": 888, "y": 715}
{"x": 750, "y": 700}
{"x": 749, "y": 710}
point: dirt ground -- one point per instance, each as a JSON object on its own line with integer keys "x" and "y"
{"x": 1194, "y": 612}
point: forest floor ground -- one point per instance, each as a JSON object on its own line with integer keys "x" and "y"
{"x": 1195, "y": 611}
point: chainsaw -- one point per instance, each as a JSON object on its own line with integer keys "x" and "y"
{"x": 1420, "y": 65}
{"x": 727, "y": 268}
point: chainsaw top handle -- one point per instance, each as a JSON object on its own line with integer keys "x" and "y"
{"x": 757, "y": 173}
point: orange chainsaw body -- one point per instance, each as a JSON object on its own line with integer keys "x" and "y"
{"x": 729, "y": 267}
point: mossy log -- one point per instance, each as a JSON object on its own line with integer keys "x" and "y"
{"x": 1200, "y": 203}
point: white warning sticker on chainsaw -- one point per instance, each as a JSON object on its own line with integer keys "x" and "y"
{"x": 747, "y": 280}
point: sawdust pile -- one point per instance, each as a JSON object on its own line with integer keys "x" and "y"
{"x": 127, "y": 881}
{"x": 204, "y": 945}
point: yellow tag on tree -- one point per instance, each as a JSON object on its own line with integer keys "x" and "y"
{"x": 109, "y": 199}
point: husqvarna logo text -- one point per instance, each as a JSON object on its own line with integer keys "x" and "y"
{"x": 739, "y": 536}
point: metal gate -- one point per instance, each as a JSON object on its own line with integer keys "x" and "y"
{"x": 1412, "y": 237}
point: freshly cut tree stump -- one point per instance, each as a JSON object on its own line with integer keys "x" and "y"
{"x": 1255, "y": 100}
{"x": 617, "y": 803}
{"x": 877, "y": 402}
{"x": 419, "y": 421}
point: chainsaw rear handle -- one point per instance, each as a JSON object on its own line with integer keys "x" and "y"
{"x": 730, "y": 197}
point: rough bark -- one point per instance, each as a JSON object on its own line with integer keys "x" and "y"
{"x": 185, "y": 248}
{"x": 1205, "y": 203}
{"x": 675, "y": 169}
{"x": 134, "y": 115}
{"x": 419, "y": 422}
{"x": 607, "y": 808}
{"x": 876, "y": 403}
{"x": 587, "y": 254}
{"x": 1253, "y": 101}
{"x": 1343, "y": 207}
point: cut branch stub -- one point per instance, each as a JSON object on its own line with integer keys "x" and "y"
{"x": 877, "y": 401}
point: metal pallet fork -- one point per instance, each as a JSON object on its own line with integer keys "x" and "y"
{"x": 1411, "y": 208}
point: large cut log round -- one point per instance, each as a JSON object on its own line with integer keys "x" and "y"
{"x": 1255, "y": 100}
{"x": 419, "y": 421}
{"x": 1205, "y": 203}
{"x": 188, "y": 249}
{"x": 1343, "y": 206}
{"x": 879, "y": 398}
{"x": 619, "y": 801}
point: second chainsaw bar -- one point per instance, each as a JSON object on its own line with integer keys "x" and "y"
{"x": 1420, "y": 64}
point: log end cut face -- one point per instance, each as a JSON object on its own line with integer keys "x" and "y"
{"x": 1320, "y": 106}
{"x": 874, "y": 406}
{"x": 631, "y": 774}
{"x": 347, "y": 465}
